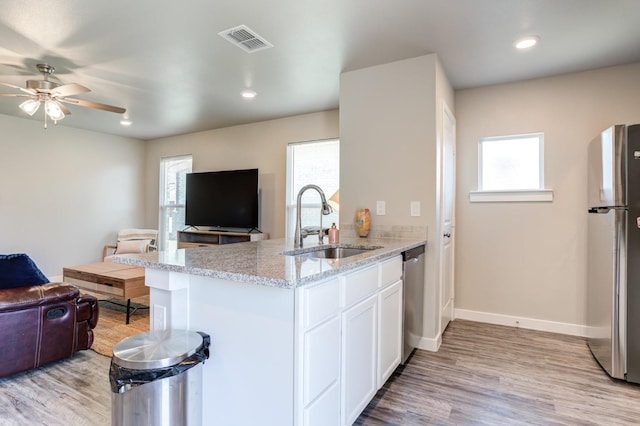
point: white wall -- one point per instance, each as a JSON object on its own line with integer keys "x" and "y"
{"x": 528, "y": 260}
{"x": 260, "y": 145}
{"x": 65, "y": 192}
{"x": 390, "y": 121}
{"x": 387, "y": 134}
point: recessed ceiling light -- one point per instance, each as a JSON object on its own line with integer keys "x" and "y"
{"x": 248, "y": 94}
{"x": 526, "y": 42}
{"x": 126, "y": 122}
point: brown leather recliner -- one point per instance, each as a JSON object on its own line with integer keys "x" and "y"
{"x": 43, "y": 323}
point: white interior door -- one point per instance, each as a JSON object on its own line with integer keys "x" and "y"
{"x": 447, "y": 216}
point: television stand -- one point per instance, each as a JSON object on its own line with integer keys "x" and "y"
{"x": 196, "y": 238}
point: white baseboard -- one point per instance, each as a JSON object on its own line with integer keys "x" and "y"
{"x": 55, "y": 278}
{"x": 430, "y": 344}
{"x": 529, "y": 323}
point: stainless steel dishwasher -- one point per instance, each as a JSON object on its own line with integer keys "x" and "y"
{"x": 413, "y": 286}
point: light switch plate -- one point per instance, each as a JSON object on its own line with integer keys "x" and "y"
{"x": 381, "y": 208}
{"x": 415, "y": 208}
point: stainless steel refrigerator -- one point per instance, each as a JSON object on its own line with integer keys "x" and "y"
{"x": 613, "y": 274}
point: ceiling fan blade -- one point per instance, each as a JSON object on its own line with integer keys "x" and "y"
{"x": 31, "y": 92}
{"x": 17, "y": 95}
{"x": 70, "y": 89}
{"x": 63, "y": 108}
{"x": 95, "y": 105}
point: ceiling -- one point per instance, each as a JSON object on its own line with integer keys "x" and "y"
{"x": 166, "y": 64}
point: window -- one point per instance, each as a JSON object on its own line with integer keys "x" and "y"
{"x": 318, "y": 163}
{"x": 511, "y": 168}
{"x": 173, "y": 175}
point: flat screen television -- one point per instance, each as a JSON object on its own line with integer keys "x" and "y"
{"x": 222, "y": 199}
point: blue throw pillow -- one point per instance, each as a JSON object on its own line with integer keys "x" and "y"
{"x": 18, "y": 270}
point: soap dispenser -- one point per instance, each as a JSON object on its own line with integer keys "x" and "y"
{"x": 334, "y": 234}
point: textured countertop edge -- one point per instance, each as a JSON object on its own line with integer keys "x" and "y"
{"x": 355, "y": 264}
{"x": 350, "y": 264}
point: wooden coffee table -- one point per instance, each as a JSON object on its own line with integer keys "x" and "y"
{"x": 111, "y": 279}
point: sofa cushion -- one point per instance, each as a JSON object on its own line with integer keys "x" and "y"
{"x": 18, "y": 270}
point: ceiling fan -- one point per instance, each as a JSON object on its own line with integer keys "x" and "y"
{"x": 54, "y": 96}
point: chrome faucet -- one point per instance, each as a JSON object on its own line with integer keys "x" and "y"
{"x": 302, "y": 233}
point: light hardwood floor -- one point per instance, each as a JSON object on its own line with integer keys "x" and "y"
{"x": 495, "y": 375}
{"x": 74, "y": 392}
{"x": 482, "y": 375}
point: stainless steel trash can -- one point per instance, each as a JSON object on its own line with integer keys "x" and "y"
{"x": 156, "y": 378}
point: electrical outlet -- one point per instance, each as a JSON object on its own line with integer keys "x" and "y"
{"x": 381, "y": 208}
{"x": 415, "y": 208}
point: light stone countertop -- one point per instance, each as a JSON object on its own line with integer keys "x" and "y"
{"x": 262, "y": 262}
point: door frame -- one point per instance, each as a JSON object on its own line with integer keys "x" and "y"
{"x": 448, "y": 119}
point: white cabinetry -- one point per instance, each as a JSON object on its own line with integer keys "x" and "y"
{"x": 318, "y": 360}
{"x": 310, "y": 355}
{"x": 359, "y": 367}
{"x": 390, "y": 338}
{"x": 349, "y": 340}
{"x": 390, "y": 317}
{"x": 321, "y": 374}
{"x": 359, "y": 341}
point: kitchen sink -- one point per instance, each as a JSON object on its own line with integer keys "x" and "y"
{"x": 331, "y": 252}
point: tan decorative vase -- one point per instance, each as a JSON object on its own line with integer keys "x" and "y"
{"x": 363, "y": 222}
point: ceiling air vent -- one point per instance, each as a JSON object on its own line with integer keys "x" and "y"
{"x": 245, "y": 38}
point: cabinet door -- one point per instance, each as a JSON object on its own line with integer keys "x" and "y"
{"x": 318, "y": 357}
{"x": 390, "y": 328}
{"x": 359, "y": 360}
{"x": 321, "y": 365}
{"x": 325, "y": 410}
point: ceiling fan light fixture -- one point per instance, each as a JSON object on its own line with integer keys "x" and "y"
{"x": 30, "y": 106}
{"x": 53, "y": 110}
{"x": 126, "y": 122}
{"x": 54, "y": 95}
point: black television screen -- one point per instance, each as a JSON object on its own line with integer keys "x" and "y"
{"x": 225, "y": 199}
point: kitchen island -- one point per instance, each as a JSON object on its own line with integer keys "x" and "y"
{"x": 296, "y": 340}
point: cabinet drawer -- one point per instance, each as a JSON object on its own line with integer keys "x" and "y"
{"x": 390, "y": 271}
{"x": 320, "y": 302}
{"x": 97, "y": 287}
{"x": 182, "y": 245}
{"x": 359, "y": 284}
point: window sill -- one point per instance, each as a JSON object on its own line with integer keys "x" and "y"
{"x": 529, "y": 196}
